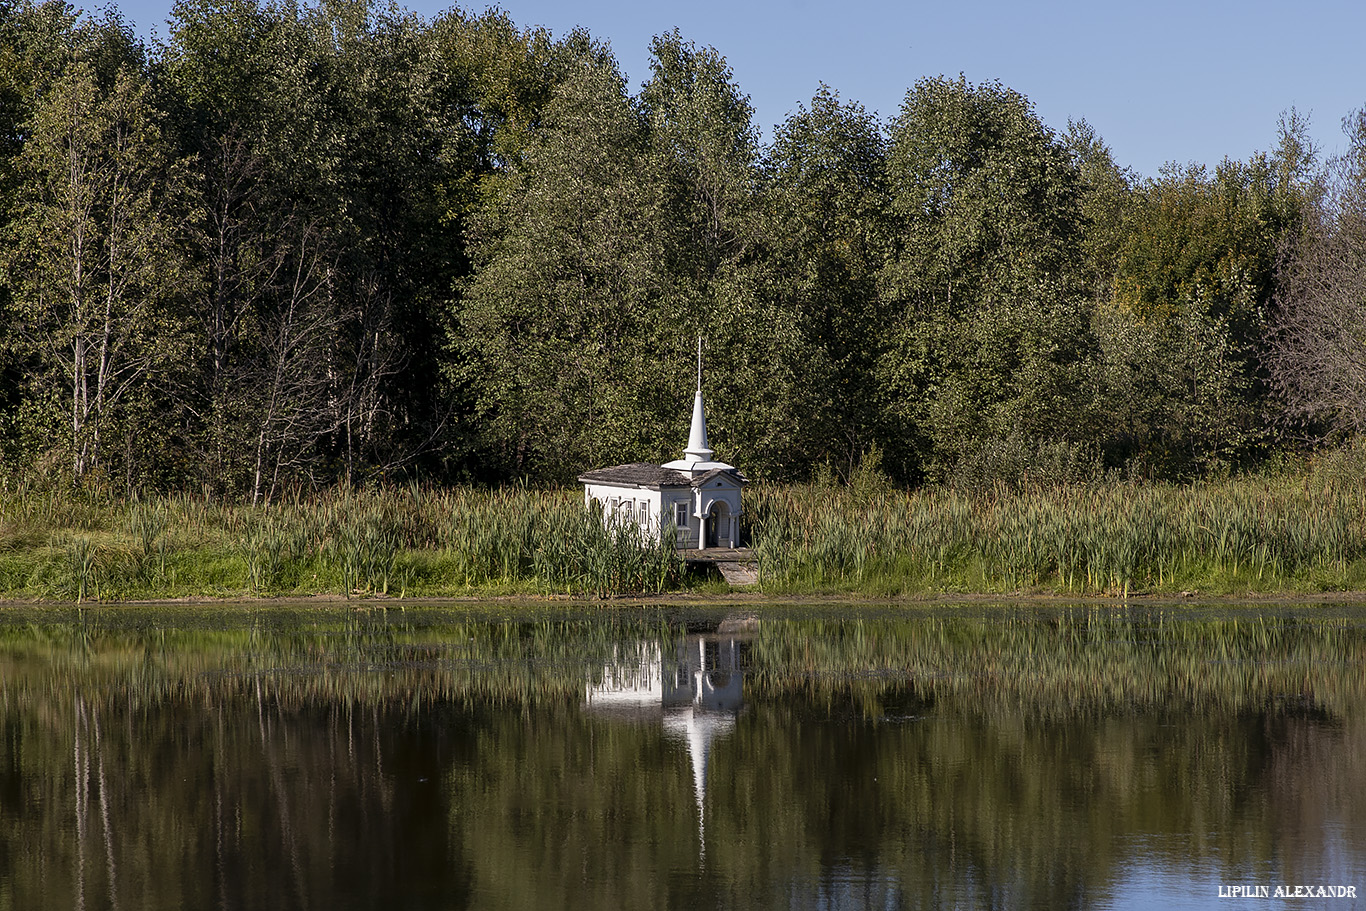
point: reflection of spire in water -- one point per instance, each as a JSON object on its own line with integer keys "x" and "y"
{"x": 696, "y": 696}
{"x": 698, "y": 728}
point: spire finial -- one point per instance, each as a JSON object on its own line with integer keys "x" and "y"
{"x": 698, "y": 456}
{"x": 699, "y": 363}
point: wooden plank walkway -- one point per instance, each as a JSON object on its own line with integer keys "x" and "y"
{"x": 736, "y": 564}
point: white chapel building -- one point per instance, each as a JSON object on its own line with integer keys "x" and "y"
{"x": 697, "y": 494}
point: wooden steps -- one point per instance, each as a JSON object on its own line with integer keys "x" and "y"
{"x": 736, "y": 564}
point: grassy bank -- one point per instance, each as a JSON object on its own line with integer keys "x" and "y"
{"x": 406, "y": 542}
{"x": 1291, "y": 532}
{"x": 1294, "y": 532}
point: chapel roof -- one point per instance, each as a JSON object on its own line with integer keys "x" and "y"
{"x": 647, "y": 474}
{"x": 697, "y": 468}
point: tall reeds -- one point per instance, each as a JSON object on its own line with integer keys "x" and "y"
{"x": 1236, "y": 535}
{"x": 1299, "y": 531}
{"x": 412, "y": 540}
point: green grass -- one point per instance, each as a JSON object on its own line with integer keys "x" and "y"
{"x": 1296, "y": 533}
{"x": 1291, "y": 532}
{"x": 408, "y": 541}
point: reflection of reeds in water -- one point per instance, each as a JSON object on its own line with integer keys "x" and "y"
{"x": 351, "y": 656}
{"x": 1054, "y": 661}
{"x": 1237, "y": 535}
{"x": 1064, "y": 662}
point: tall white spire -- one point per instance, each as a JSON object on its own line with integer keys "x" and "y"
{"x": 698, "y": 456}
{"x": 697, "y": 450}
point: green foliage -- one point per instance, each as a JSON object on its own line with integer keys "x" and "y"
{"x": 297, "y": 245}
{"x": 1031, "y": 527}
{"x": 334, "y": 143}
{"x": 1107, "y": 200}
{"x": 563, "y": 328}
{"x": 95, "y": 263}
{"x": 1172, "y": 392}
{"x": 703, "y": 149}
{"x": 822, "y": 234}
{"x": 986, "y": 194}
{"x": 991, "y": 334}
{"x": 1193, "y": 285}
{"x": 1207, "y": 237}
{"x": 1018, "y": 463}
{"x": 413, "y": 541}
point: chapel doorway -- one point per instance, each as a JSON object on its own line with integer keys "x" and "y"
{"x": 720, "y": 531}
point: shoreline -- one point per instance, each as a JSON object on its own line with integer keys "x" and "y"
{"x": 1297, "y": 539}
{"x": 738, "y": 598}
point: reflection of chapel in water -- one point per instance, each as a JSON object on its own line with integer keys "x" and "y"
{"x": 696, "y": 692}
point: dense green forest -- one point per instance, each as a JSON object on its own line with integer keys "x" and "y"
{"x": 293, "y": 246}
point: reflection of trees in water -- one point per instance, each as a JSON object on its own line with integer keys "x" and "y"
{"x": 876, "y": 762}
{"x": 1045, "y": 743}
{"x": 1315, "y": 787}
{"x": 234, "y": 798}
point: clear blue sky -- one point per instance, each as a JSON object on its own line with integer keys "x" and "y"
{"x": 1165, "y": 80}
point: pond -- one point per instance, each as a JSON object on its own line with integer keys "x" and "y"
{"x": 1011, "y": 756}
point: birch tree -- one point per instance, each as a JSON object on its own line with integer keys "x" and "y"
{"x": 1318, "y": 357}
{"x": 95, "y": 264}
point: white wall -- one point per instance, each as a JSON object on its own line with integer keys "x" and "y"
{"x": 659, "y": 506}
{"x": 626, "y": 503}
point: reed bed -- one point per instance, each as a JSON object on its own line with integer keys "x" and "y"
{"x": 401, "y": 541}
{"x": 1254, "y": 534}
{"x": 1290, "y": 532}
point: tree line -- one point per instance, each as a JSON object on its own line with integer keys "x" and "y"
{"x": 296, "y": 245}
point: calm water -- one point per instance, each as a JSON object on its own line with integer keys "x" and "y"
{"x": 1009, "y": 757}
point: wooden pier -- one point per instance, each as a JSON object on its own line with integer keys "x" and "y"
{"x": 736, "y": 564}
